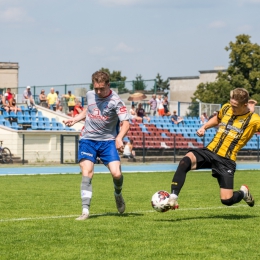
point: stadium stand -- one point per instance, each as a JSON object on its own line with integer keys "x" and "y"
{"x": 161, "y": 133}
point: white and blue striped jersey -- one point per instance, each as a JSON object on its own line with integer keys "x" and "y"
{"x": 103, "y": 116}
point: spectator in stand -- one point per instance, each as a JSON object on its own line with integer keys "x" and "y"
{"x": 166, "y": 106}
{"x": 71, "y": 100}
{"x": 52, "y": 100}
{"x": 8, "y": 96}
{"x": 43, "y": 99}
{"x": 160, "y": 107}
{"x": 58, "y": 102}
{"x": 59, "y": 110}
{"x": 204, "y": 118}
{"x": 176, "y": 119}
{"x": 128, "y": 150}
{"x": 13, "y": 106}
{"x": 78, "y": 108}
{"x": 28, "y": 98}
{"x": 153, "y": 105}
{"x": 133, "y": 116}
{"x": 141, "y": 113}
{"x": 214, "y": 114}
{"x": 3, "y": 104}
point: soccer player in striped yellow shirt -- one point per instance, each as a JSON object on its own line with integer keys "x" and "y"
{"x": 236, "y": 125}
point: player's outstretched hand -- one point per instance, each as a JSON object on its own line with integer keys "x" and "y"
{"x": 69, "y": 122}
{"x": 201, "y": 131}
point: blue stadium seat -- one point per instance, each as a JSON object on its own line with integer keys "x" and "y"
{"x": 20, "y": 119}
{"x": 164, "y": 135}
{"x": 60, "y": 127}
{"x": 34, "y": 125}
{"x": 23, "y": 108}
{"x": 41, "y": 125}
{"x": 13, "y": 114}
{"x": 7, "y": 123}
{"x": 6, "y": 114}
{"x": 54, "y": 126}
{"x": 47, "y": 126}
{"x": 27, "y": 119}
{"x": 15, "y": 126}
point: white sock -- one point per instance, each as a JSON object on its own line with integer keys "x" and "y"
{"x": 173, "y": 196}
{"x": 85, "y": 211}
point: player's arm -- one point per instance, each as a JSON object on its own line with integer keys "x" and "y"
{"x": 214, "y": 121}
{"x": 123, "y": 131}
{"x": 77, "y": 118}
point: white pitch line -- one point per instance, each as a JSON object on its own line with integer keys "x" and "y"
{"x": 113, "y": 214}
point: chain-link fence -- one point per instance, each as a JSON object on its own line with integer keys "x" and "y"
{"x": 45, "y": 147}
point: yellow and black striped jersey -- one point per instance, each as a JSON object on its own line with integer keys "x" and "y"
{"x": 233, "y": 132}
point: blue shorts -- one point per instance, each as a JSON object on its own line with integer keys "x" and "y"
{"x": 105, "y": 150}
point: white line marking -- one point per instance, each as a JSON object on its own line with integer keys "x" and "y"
{"x": 114, "y": 214}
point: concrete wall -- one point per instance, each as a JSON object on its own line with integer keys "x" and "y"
{"x": 39, "y": 146}
{"x": 9, "y": 75}
{"x": 182, "y": 88}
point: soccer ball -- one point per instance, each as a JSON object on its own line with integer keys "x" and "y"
{"x": 159, "y": 200}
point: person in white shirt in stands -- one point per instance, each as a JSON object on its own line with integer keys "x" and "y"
{"x": 160, "y": 107}
{"x": 128, "y": 150}
{"x": 28, "y": 98}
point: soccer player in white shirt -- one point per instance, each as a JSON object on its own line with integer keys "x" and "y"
{"x": 101, "y": 137}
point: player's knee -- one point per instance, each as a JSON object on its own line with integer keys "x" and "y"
{"x": 228, "y": 202}
{"x": 185, "y": 163}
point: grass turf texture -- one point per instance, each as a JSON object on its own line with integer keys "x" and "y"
{"x": 37, "y": 219}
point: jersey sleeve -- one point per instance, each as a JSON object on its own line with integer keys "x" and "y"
{"x": 121, "y": 111}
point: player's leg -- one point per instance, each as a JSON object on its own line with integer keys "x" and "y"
{"x": 118, "y": 179}
{"x": 86, "y": 157}
{"x": 187, "y": 163}
{"x": 86, "y": 187}
{"x": 109, "y": 155}
{"x": 230, "y": 197}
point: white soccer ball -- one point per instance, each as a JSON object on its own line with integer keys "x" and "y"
{"x": 159, "y": 200}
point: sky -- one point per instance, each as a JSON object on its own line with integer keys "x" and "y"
{"x": 64, "y": 42}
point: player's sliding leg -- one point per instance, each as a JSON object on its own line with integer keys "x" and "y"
{"x": 115, "y": 169}
{"x": 178, "y": 181}
{"x": 86, "y": 188}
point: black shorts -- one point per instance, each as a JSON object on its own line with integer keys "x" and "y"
{"x": 222, "y": 168}
{"x": 71, "y": 108}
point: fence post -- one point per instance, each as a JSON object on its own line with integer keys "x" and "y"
{"x": 23, "y": 150}
{"x": 61, "y": 149}
{"x": 143, "y": 149}
{"x": 174, "y": 148}
{"x": 258, "y": 148}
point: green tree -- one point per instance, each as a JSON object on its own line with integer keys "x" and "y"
{"x": 243, "y": 72}
{"x": 162, "y": 85}
{"x": 138, "y": 83}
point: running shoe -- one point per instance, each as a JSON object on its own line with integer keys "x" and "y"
{"x": 248, "y": 198}
{"x": 120, "y": 203}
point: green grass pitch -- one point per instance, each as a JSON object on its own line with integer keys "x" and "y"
{"x": 37, "y": 219}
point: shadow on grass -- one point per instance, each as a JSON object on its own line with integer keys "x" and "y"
{"x": 227, "y": 217}
{"x": 110, "y": 214}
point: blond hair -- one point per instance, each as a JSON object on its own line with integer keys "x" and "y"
{"x": 240, "y": 95}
